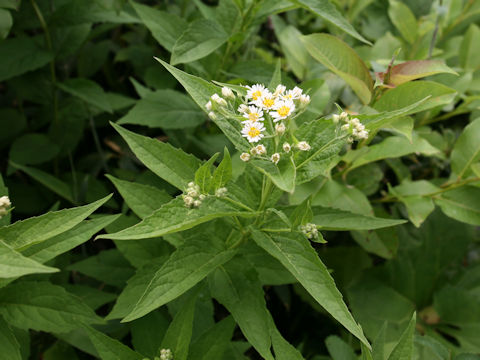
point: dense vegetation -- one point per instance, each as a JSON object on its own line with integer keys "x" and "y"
{"x": 333, "y": 215}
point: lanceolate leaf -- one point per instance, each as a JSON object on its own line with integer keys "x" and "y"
{"x": 404, "y": 20}
{"x": 175, "y": 216}
{"x": 343, "y": 61}
{"x": 10, "y": 345}
{"x": 223, "y": 173}
{"x": 416, "y": 69}
{"x": 41, "y": 228}
{"x": 87, "y": 90}
{"x": 404, "y": 349}
{"x": 466, "y": 150}
{"x": 171, "y": 164}
{"x": 462, "y": 204}
{"x": 327, "y": 11}
{"x": 283, "y": 174}
{"x": 213, "y": 343}
{"x": 297, "y": 255}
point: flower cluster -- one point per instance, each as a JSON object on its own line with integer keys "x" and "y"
{"x": 310, "y": 230}
{"x": 263, "y": 115}
{"x": 166, "y": 354}
{"x": 193, "y": 197}
{"x": 352, "y": 126}
{"x": 4, "y": 204}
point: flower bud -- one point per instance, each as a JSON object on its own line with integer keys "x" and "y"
{"x": 212, "y": 115}
{"x": 304, "y": 99}
{"x": 228, "y": 93}
{"x": 279, "y": 90}
{"x": 188, "y": 200}
{"x": 242, "y": 109}
{"x": 245, "y": 157}
{"x": 335, "y": 118}
{"x": 208, "y": 105}
{"x": 275, "y": 158}
{"x": 260, "y": 149}
{"x": 197, "y": 203}
{"x": 303, "y": 146}
{"x": 287, "y": 147}
{"x": 280, "y": 129}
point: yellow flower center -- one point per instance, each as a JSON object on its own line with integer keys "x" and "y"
{"x": 283, "y": 111}
{"x": 253, "y": 116}
{"x": 256, "y": 94}
{"x": 268, "y": 102}
{"x": 288, "y": 96}
{"x": 253, "y": 132}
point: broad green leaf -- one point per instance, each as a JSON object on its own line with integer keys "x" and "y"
{"x": 297, "y": 255}
{"x": 462, "y": 204}
{"x": 54, "y": 246}
{"x": 88, "y": 91}
{"x": 166, "y": 27}
{"x": 148, "y": 331}
{"x": 469, "y": 55}
{"x": 142, "y": 199}
{"x": 203, "y": 176}
{"x": 327, "y": 11}
{"x": 302, "y": 214}
{"x": 30, "y": 149}
{"x": 166, "y": 109}
{"x": 295, "y": 53}
{"x": 276, "y": 77}
{"x": 43, "y": 306}
{"x": 179, "y": 333}
{"x": 37, "y": 229}
{"x": 411, "y": 92}
{"x": 10, "y": 345}
{"x": 91, "y": 296}
{"x": 404, "y": 349}
{"x": 415, "y": 69}
{"x": 282, "y": 174}
{"x": 201, "y": 38}
{"x": 175, "y": 216}
{"x": 343, "y": 61}
{"x": 51, "y": 182}
{"x": 320, "y": 134}
{"x": 6, "y": 23}
{"x": 109, "y": 348}
{"x": 213, "y": 343}
{"x": 20, "y": 55}
{"x": 338, "y": 220}
{"x": 339, "y": 349}
{"x": 381, "y": 242}
{"x": 466, "y": 150}
{"x": 160, "y": 282}
{"x": 14, "y": 264}
{"x": 171, "y": 164}
{"x": 236, "y": 287}
{"x": 392, "y": 147}
{"x": 404, "y": 20}
{"x": 282, "y": 348}
{"x": 223, "y": 173}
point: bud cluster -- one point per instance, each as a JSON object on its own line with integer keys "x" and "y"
{"x": 221, "y": 192}
{"x": 4, "y": 204}
{"x": 310, "y": 230}
{"x": 193, "y": 197}
{"x": 166, "y": 354}
{"x": 352, "y": 126}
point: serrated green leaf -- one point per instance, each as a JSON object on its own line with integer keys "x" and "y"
{"x": 223, "y": 173}
{"x": 282, "y": 348}
{"x": 43, "y": 306}
{"x": 404, "y": 20}
{"x": 343, "y": 61}
{"x": 201, "y": 38}
{"x": 297, "y": 255}
{"x": 466, "y": 150}
{"x": 175, "y": 216}
{"x": 88, "y": 91}
{"x": 37, "y": 229}
{"x": 404, "y": 349}
{"x": 10, "y": 345}
{"x": 13, "y": 264}
{"x": 171, "y": 164}
{"x": 302, "y": 214}
{"x": 142, "y": 199}
{"x": 109, "y": 348}
{"x": 203, "y": 176}
{"x": 462, "y": 204}
{"x": 327, "y": 11}
{"x": 283, "y": 174}
{"x": 213, "y": 343}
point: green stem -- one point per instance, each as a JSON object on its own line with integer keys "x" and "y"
{"x": 239, "y": 204}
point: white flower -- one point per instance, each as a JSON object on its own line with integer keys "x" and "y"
{"x": 345, "y": 127}
{"x": 253, "y": 114}
{"x": 280, "y": 129}
{"x": 283, "y": 110}
{"x": 343, "y": 115}
{"x": 192, "y": 193}
{"x": 188, "y": 200}
{"x": 242, "y": 108}
{"x": 260, "y": 149}
{"x": 335, "y": 118}
{"x": 304, "y": 99}
{"x": 303, "y": 146}
{"x": 310, "y": 230}
{"x": 355, "y": 122}
{"x": 191, "y": 184}
{"x": 221, "y": 192}
{"x": 293, "y": 94}
{"x": 197, "y": 203}
{"x": 166, "y": 354}
{"x": 253, "y": 131}
{"x": 286, "y": 147}
{"x": 220, "y": 101}
{"x": 5, "y": 201}
{"x": 245, "y": 157}
{"x": 208, "y": 105}
{"x": 275, "y": 158}
{"x": 363, "y": 134}
{"x": 256, "y": 91}
{"x": 253, "y": 150}
{"x": 227, "y": 92}
{"x": 279, "y": 90}
{"x": 266, "y": 102}
{"x": 212, "y": 115}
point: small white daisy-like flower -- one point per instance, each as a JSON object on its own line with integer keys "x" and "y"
{"x": 303, "y": 146}
{"x": 293, "y": 94}
{"x": 253, "y": 131}
{"x": 253, "y": 114}
{"x": 212, "y": 115}
{"x": 208, "y": 105}
{"x": 266, "y": 102}
{"x": 242, "y": 108}
{"x": 256, "y": 91}
{"x": 221, "y": 192}
{"x": 279, "y": 90}
{"x": 304, "y": 99}
{"x": 260, "y": 149}
{"x": 245, "y": 157}
{"x": 280, "y": 129}
{"x": 286, "y": 147}
{"x": 275, "y": 158}
{"x": 283, "y": 110}
{"x": 228, "y": 93}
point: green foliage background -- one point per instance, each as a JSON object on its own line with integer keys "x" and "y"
{"x": 70, "y": 67}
